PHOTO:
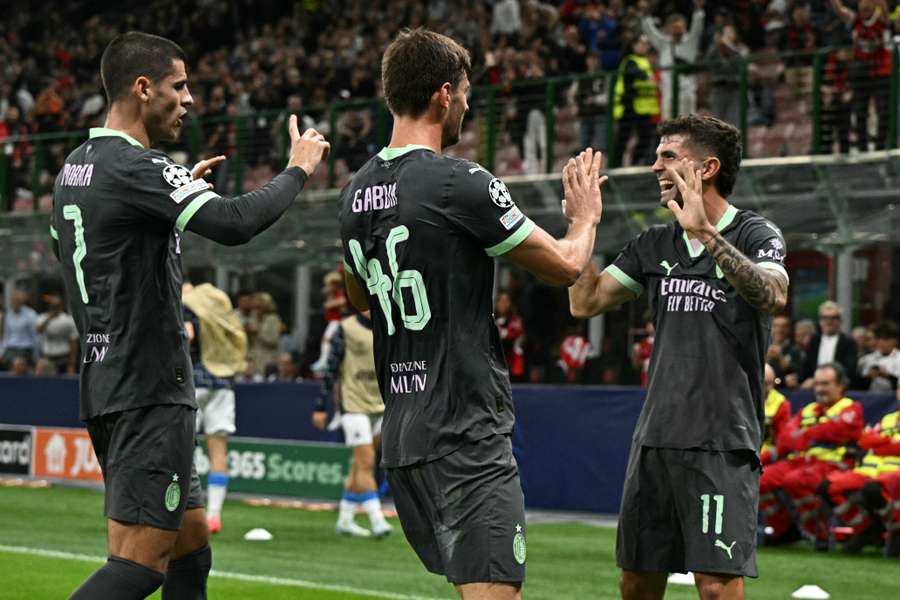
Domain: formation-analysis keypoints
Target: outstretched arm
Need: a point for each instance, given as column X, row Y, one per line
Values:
column 846, row 15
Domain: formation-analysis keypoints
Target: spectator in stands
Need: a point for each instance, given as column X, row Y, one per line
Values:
column 783, row 355
column 507, row 21
column 353, row 140
column 20, row 332
column 799, row 44
column 865, row 339
column 829, row 345
column 881, row 368
column 635, row 106
column 813, row 444
column 642, row 351
column 18, row 155
column 512, row 335
column 678, row 49
column 592, row 99
column 871, row 69
column 286, row 369
column 335, row 307
column 573, row 353
column 723, row 61
column 264, row 345
column 837, row 101
column 59, row 336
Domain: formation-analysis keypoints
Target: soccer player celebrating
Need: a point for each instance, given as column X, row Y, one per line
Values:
column 714, row 277
column 420, row 233
column 119, row 209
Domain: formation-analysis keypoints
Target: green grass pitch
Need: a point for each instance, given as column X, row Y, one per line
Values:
column 50, row 538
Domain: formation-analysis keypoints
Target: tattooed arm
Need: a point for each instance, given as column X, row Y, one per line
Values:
column 764, row 289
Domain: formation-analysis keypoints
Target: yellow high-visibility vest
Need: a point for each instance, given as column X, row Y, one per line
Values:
column 645, row 101
column 874, row 465
column 773, row 402
column 821, row 450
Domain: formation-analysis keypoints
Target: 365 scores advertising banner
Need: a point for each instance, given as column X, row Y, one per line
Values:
column 255, row 466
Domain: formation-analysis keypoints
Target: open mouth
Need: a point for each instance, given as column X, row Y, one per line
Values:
column 665, row 185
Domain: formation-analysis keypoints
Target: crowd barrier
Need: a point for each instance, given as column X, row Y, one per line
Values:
column 571, row 442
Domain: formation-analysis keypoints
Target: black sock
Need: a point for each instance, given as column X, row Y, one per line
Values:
column 186, row 577
column 122, row 579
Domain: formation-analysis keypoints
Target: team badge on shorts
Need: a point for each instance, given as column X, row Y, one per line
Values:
column 177, row 175
column 173, row 494
column 499, row 194
column 519, row 545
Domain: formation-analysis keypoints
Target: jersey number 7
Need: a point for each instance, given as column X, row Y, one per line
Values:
column 385, row 288
column 73, row 213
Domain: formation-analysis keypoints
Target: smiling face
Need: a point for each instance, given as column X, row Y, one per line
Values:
column 169, row 101
column 671, row 150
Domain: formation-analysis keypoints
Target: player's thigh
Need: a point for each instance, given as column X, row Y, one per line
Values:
column 357, row 429
column 364, row 457
column 481, row 527
column 147, row 464
column 717, row 499
column 194, row 533
column 218, row 415
column 643, row 585
column 416, row 512
column 648, row 537
column 773, row 475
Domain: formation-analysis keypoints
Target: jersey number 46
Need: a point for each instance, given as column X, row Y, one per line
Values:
column 387, row 288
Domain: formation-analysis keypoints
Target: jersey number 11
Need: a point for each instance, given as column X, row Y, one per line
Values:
column 386, row 288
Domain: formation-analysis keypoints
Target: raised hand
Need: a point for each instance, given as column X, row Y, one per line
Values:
column 203, row 168
column 691, row 214
column 307, row 150
column 582, row 184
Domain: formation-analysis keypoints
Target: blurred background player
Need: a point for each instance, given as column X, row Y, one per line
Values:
column 712, row 292
column 119, row 209
column 349, row 377
column 420, row 233
column 816, row 441
column 218, row 353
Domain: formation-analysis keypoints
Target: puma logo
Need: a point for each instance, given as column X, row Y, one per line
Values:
column 721, row 544
column 474, row 170
column 665, row 265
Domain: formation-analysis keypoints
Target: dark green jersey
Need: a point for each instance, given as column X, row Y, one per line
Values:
column 420, row 232
column 706, row 371
column 118, row 209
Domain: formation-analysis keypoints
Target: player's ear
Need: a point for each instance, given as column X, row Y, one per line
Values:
column 710, row 168
column 141, row 88
column 445, row 93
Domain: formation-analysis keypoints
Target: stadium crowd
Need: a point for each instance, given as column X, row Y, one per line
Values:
column 270, row 58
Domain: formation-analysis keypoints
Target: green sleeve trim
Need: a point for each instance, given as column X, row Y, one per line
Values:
column 53, row 233
column 195, row 205
column 623, row 278
column 348, row 268
column 775, row 267
column 512, row 241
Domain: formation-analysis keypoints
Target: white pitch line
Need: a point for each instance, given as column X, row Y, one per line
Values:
column 300, row 583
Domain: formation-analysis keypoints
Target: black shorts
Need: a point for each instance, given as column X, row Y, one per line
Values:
column 464, row 513
column 689, row 510
column 147, row 459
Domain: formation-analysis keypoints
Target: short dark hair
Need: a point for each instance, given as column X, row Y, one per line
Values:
column 887, row 330
column 714, row 137
column 416, row 64
column 132, row 54
column 839, row 371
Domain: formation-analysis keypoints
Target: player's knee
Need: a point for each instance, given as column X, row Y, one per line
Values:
column 642, row 585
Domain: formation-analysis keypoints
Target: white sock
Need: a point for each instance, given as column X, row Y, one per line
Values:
column 216, row 490
column 373, row 507
column 346, row 511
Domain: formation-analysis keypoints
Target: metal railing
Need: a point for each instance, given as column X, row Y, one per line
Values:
column 788, row 104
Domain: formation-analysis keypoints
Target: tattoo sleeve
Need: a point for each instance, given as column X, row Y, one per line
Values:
column 763, row 289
